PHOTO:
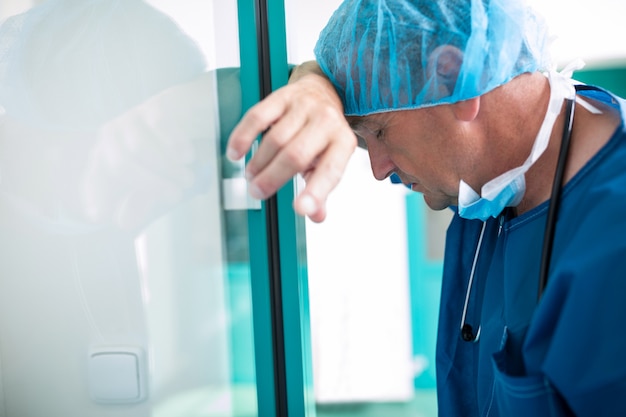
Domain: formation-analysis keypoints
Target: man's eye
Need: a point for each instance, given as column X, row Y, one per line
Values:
column 380, row 134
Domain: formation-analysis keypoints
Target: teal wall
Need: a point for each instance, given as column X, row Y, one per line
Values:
column 610, row 76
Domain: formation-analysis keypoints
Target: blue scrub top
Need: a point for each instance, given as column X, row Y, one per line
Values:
column 565, row 355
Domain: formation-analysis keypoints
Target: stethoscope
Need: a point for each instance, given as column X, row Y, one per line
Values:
column 467, row 332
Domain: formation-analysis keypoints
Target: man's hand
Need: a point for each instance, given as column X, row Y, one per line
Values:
column 305, row 132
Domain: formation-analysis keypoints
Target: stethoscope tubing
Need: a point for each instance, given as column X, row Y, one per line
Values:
column 466, row 330
column 555, row 198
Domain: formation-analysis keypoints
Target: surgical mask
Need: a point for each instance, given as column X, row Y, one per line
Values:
column 484, row 207
column 507, row 190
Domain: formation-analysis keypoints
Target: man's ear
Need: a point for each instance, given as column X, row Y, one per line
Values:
column 444, row 65
column 466, row 110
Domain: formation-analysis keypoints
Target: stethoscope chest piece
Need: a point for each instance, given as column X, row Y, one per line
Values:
column 467, row 333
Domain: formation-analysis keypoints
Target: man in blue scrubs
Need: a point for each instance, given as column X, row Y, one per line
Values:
column 459, row 99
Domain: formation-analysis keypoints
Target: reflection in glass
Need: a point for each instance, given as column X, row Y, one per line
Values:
column 124, row 286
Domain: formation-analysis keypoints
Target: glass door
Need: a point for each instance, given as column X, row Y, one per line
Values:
column 137, row 278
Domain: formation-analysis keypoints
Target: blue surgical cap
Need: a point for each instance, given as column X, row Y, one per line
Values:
column 384, row 55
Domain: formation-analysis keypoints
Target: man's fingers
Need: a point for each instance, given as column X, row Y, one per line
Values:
column 305, row 206
column 278, row 137
column 321, row 180
column 321, row 162
column 296, row 156
column 257, row 120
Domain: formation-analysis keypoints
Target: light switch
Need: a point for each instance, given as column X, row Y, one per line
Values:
column 116, row 375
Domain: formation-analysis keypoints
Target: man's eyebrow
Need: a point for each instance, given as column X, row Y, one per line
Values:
column 356, row 123
column 362, row 123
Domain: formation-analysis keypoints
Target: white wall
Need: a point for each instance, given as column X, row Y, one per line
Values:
column 593, row 30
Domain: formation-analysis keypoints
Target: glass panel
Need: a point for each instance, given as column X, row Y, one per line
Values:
column 373, row 282
column 124, row 259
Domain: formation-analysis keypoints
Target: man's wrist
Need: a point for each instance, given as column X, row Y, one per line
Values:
column 306, row 68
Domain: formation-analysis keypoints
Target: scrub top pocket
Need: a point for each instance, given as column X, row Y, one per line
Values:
column 524, row 395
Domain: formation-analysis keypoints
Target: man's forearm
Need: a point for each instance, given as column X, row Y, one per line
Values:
column 306, row 68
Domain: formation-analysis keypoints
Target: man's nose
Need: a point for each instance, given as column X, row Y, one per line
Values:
column 382, row 166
